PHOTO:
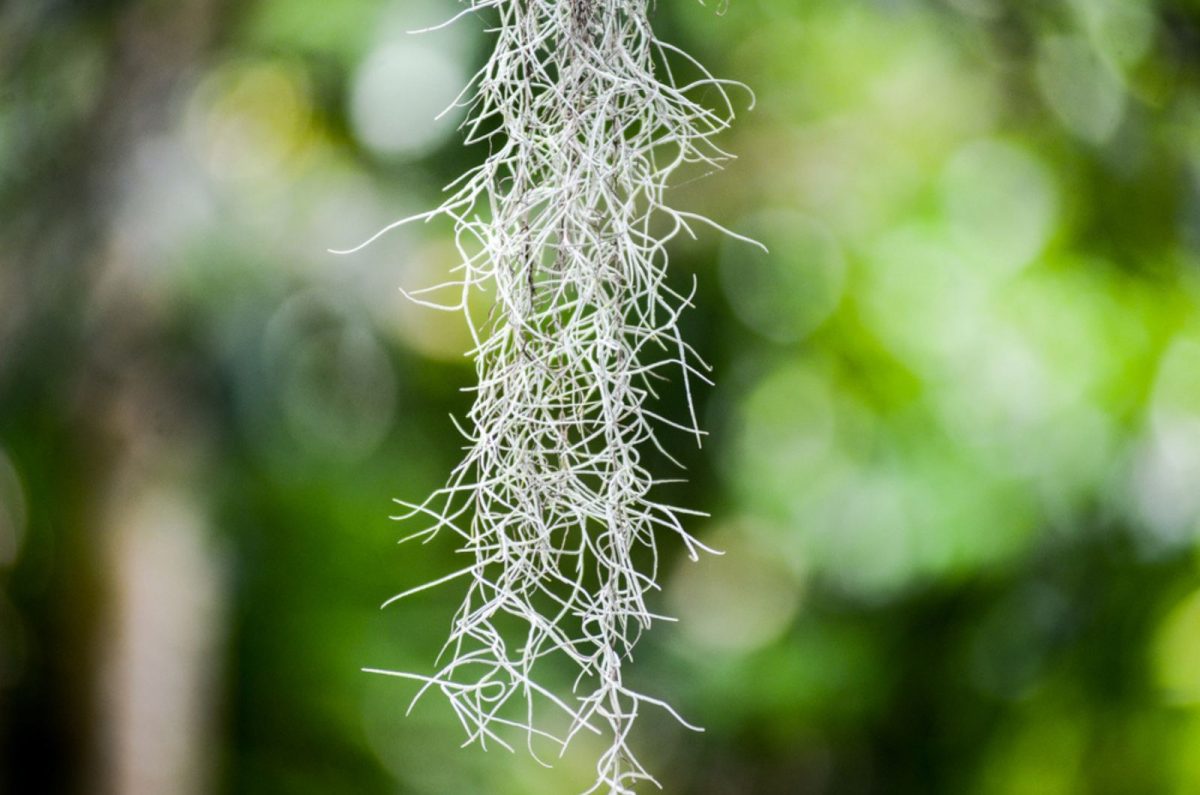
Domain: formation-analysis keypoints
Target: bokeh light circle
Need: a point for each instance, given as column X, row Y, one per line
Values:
column 398, row 92
column 1001, row 204
column 786, row 294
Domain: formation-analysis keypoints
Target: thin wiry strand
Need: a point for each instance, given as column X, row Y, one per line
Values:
column 565, row 224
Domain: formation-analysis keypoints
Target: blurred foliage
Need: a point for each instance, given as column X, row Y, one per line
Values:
column 955, row 451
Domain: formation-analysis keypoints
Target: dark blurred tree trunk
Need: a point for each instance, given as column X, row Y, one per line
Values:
column 61, row 351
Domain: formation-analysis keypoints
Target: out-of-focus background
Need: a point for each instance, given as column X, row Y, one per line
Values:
column 955, row 439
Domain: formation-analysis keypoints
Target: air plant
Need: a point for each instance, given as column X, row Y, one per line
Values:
column 566, row 225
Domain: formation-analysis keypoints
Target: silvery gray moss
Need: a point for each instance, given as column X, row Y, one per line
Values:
column 566, row 225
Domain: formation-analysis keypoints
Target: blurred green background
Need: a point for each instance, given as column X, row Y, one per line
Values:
column 955, row 450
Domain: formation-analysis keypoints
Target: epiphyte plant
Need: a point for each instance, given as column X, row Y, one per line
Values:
column 565, row 226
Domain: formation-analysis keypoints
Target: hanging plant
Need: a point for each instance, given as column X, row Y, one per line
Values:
column 566, row 225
